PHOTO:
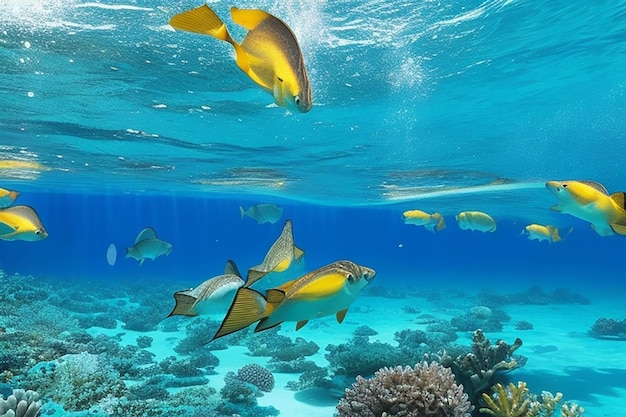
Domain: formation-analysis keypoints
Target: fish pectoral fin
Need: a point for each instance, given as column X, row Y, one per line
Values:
column 557, row 207
column 184, row 304
column 341, row 315
column 301, row 324
column 248, row 307
column 275, row 296
column 248, row 18
column 297, row 253
column 141, row 261
column 264, row 325
column 620, row 229
column 619, row 198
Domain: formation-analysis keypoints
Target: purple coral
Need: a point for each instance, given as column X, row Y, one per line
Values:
column 257, row 375
column 422, row 391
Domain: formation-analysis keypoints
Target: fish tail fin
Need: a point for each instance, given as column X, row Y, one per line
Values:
column 249, row 306
column 555, row 236
column 204, row 21
column 14, row 195
column 620, row 199
column 242, row 212
column 184, row 304
column 441, row 224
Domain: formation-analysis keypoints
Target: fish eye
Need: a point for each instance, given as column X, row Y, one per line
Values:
column 297, row 100
column 38, row 232
column 350, row 278
column 564, row 186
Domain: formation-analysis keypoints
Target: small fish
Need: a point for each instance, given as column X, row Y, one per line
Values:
column 263, row 213
column 21, row 223
column 325, row 291
column 269, row 54
column 540, row 232
column 433, row 222
column 7, row 197
column 590, row 201
column 476, row 220
column 212, row 296
column 280, row 256
column 148, row 246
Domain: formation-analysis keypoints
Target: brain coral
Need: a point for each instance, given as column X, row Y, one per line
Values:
column 258, row 376
column 422, row 391
column 20, row 404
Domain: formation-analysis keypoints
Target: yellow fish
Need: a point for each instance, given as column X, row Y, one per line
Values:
column 21, row 223
column 269, row 54
column 148, row 246
column 323, row 292
column 476, row 220
column 212, row 296
column 590, row 201
column 280, row 256
column 433, row 222
column 7, row 197
column 540, row 232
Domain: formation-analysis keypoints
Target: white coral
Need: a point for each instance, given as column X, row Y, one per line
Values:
column 20, row 404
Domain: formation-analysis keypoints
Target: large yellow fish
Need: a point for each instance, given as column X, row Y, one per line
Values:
column 21, row 223
column 148, row 246
column 7, row 197
column 590, row 201
column 269, row 54
column 212, row 296
column 476, row 220
column 325, row 291
column 278, row 258
column 433, row 222
column 540, row 232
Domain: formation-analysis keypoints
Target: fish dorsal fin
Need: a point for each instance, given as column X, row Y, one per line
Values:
column 147, row 233
column 596, row 185
column 248, row 18
column 231, row 268
column 341, row 315
column 620, row 199
column 184, row 304
column 248, row 307
column 275, row 296
column 202, row 20
column 301, row 324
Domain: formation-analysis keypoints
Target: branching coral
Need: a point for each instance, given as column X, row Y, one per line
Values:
column 518, row 401
column 422, row 391
column 476, row 370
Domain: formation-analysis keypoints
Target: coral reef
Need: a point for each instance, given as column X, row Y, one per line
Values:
column 517, row 401
column 240, row 399
column 533, row 296
column 20, row 404
column 422, row 391
column 605, row 328
column 258, row 376
column 475, row 370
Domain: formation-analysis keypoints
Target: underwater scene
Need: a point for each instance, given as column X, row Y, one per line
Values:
column 312, row 208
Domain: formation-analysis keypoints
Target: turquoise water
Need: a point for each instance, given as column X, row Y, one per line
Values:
column 111, row 121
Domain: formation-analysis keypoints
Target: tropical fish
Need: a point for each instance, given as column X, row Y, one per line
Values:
column 590, row 201
column 263, row 213
column 433, row 222
column 280, row 256
column 212, row 296
column 269, row 54
column 21, row 223
column 476, row 220
column 540, row 232
column 325, row 291
column 7, row 197
column 148, row 246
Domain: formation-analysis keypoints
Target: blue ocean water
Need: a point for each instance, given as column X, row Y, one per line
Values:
column 112, row 121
